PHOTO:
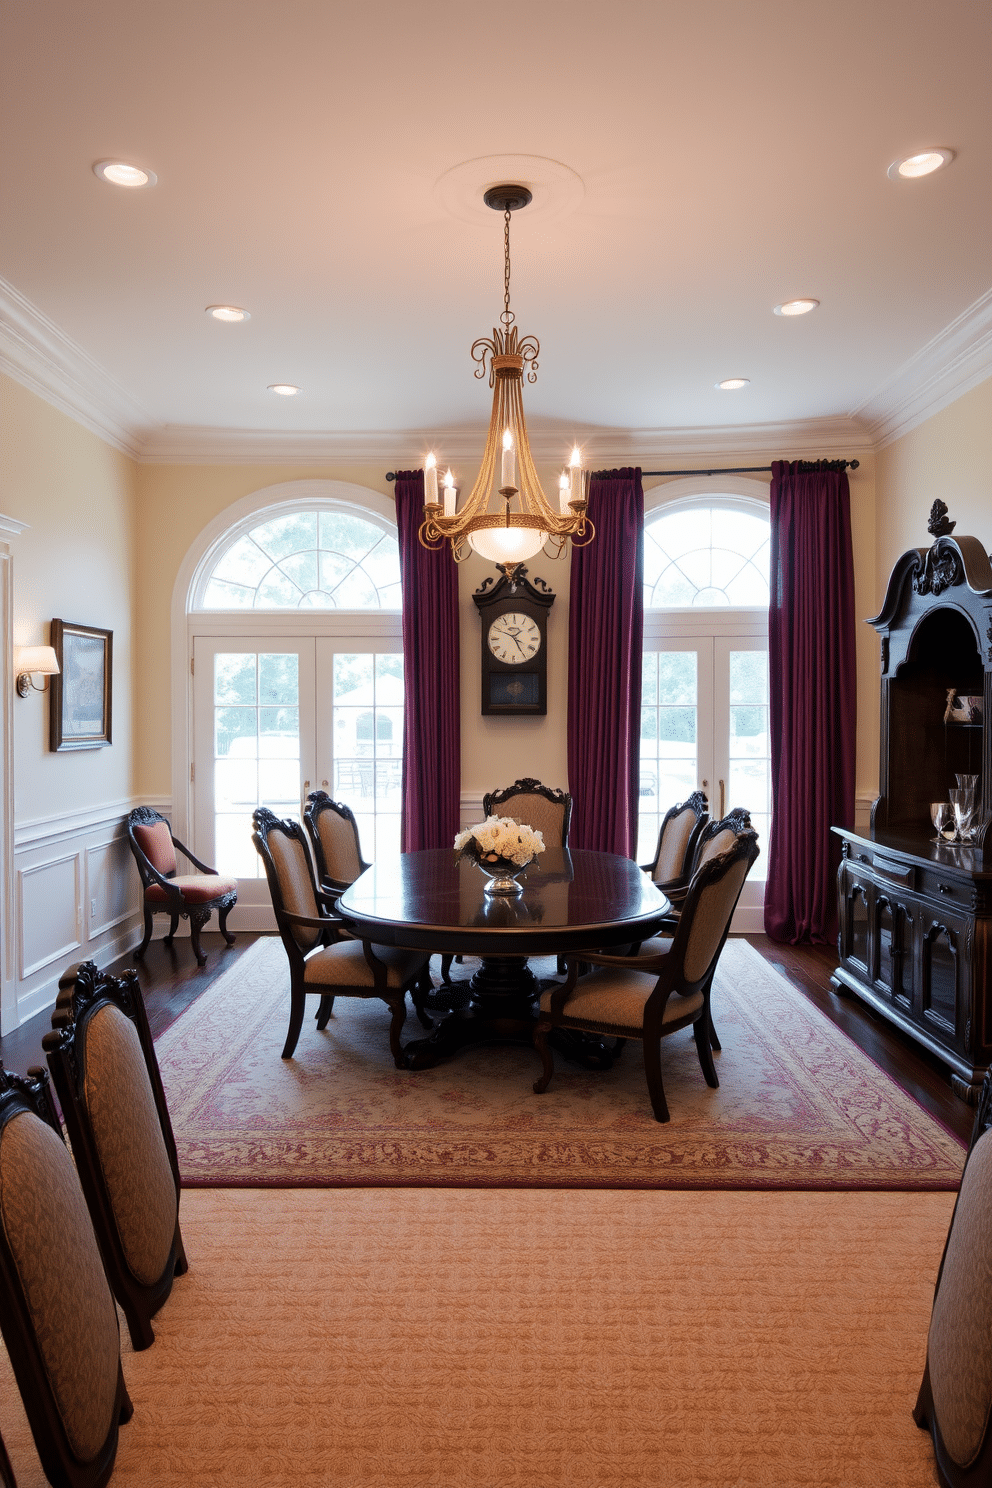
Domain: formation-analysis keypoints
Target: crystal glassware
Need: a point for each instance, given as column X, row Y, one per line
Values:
column 967, row 782
column 963, row 802
column 942, row 816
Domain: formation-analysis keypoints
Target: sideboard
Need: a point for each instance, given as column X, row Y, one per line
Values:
column 915, row 939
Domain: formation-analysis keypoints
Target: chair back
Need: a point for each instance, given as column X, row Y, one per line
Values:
column 708, row 910
column 149, row 836
column 677, row 839
column 955, row 1399
column 103, row 1065
column 334, row 834
column 282, row 846
column 717, row 837
column 547, row 810
column 57, row 1313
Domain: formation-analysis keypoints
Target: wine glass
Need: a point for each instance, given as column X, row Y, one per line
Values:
column 963, row 802
column 967, row 782
column 942, row 816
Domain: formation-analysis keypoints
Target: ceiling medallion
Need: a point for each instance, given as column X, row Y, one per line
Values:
column 527, row 520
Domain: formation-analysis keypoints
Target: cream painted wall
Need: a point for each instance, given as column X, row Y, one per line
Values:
column 947, row 457
column 75, row 562
column 176, row 502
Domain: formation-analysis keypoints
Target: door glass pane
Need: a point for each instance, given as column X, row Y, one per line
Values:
column 256, row 737
column 749, row 782
column 669, row 768
column 368, row 745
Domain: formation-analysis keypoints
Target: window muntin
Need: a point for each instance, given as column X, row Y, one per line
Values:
column 706, row 557
column 318, row 559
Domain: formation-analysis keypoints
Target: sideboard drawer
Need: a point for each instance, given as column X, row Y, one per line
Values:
column 947, row 890
column 891, row 870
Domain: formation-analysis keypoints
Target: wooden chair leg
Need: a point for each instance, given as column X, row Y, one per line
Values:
column 701, row 1033
column 197, row 919
column 652, row 1072
column 541, row 1032
column 127, row 1409
column 397, row 1006
column 419, row 993
column 182, row 1264
column 324, row 1010
column 296, row 1007
column 173, row 927
column 222, row 923
column 714, row 1041
column 142, row 948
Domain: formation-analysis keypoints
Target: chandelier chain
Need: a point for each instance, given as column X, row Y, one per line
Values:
column 507, row 316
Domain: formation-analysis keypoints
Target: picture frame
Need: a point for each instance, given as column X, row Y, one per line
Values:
column 82, row 692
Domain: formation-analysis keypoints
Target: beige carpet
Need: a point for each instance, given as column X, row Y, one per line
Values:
column 799, row 1106
column 393, row 1338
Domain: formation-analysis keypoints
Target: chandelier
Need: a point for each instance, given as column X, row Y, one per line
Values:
column 526, row 521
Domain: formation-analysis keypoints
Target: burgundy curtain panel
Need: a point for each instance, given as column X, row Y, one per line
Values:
column 605, row 640
column 812, row 696
column 431, row 715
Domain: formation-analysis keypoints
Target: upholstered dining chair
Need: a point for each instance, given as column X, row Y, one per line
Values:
column 648, row 997
column 333, row 832
column 322, row 961
column 104, row 1069
column 671, row 866
column 545, row 808
column 955, row 1399
column 57, row 1312
column 192, row 896
column 715, row 838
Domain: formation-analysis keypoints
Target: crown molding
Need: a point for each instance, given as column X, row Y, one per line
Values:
column 550, row 443
column 957, row 359
column 35, row 352
column 39, row 355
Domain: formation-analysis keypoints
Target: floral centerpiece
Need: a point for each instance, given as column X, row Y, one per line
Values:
column 501, row 847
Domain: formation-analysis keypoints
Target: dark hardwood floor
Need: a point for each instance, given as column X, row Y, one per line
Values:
column 171, row 980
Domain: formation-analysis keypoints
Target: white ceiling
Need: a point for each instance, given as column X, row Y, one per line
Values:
column 728, row 155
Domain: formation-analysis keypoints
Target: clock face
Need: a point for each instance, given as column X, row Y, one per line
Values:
column 514, row 638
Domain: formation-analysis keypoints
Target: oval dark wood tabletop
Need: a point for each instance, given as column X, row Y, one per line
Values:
column 570, row 900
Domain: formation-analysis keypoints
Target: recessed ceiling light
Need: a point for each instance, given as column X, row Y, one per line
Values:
column 923, row 164
column 731, row 384
column 119, row 173
column 228, row 312
column 796, row 307
column 285, row 388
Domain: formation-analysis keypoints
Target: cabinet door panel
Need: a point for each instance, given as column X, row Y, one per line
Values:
column 940, row 982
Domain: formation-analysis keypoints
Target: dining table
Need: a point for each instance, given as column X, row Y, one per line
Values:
column 570, row 900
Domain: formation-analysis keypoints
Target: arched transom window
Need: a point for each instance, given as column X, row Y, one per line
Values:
column 706, row 556
column 328, row 558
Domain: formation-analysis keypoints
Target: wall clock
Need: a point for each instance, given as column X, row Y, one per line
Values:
column 514, row 615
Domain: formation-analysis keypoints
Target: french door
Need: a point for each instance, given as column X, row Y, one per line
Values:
column 704, row 725
column 275, row 717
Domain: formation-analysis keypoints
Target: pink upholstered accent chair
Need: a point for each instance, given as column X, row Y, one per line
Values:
column 188, row 896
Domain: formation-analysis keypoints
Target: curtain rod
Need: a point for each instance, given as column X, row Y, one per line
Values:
column 804, row 465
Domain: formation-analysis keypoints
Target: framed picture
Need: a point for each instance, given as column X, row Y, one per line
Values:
column 83, row 690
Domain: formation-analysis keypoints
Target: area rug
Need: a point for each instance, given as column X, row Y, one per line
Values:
column 799, row 1105
column 510, row 1339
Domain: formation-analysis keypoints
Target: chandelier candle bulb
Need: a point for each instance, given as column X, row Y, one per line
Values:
column 430, row 480
column 564, row 493
column 450, row 495
column 509, row 468
column 575, row 469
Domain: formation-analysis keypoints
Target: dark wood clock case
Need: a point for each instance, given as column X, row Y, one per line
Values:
column 915, row 936
column 514, row 689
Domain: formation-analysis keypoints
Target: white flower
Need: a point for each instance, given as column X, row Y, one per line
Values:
column 501, row 837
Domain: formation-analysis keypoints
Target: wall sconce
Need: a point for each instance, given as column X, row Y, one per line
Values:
column 29, row 659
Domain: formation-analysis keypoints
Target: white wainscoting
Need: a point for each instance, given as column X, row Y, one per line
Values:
column 77, row 898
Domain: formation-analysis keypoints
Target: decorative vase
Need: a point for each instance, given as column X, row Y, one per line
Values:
column 503, row 874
